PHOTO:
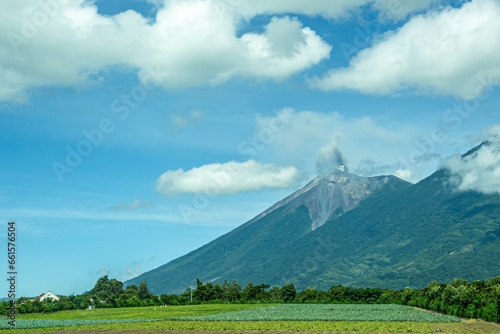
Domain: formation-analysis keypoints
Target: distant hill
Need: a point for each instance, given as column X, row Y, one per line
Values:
column 355, row 231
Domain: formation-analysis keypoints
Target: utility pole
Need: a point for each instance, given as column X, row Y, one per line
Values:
column 190, row 289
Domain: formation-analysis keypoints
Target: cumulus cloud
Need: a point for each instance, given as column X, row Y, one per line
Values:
column 136, row 204
column 479, row 170
column 190, row 43
column 451, row 52
column 227, row 178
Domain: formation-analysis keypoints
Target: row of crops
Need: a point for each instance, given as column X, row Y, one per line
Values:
column 327, row 312
column 191, row 316
column 44, row 323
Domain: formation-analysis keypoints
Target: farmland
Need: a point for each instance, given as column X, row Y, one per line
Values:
column 165, row 314
column 328, row 312
column 47, row 323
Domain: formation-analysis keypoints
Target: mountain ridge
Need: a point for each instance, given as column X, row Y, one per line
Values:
column 325, row 191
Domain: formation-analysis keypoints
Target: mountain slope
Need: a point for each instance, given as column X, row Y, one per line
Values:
column 424, row 233
column 334, row 195
column 240, row 254
column 349, row 230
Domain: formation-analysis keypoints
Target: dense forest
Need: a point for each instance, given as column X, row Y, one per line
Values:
column 478, row 299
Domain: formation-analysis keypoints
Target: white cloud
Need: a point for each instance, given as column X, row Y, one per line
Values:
column 131, row 271
column 61, row 43
column 105, row 271
column 136, row 204
column 192, row 43
column 284, row 48
column 297, row 137
column 478, row 171
column 404, row 174
column 396, row 10
column 328, row 8
column 452, row 52
column 325, row 8
column 228, row 178
column 489, row 132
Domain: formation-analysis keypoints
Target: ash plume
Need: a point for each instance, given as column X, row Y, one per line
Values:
column 330, row 158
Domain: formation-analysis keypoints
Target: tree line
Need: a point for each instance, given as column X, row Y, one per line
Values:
column 478, row 299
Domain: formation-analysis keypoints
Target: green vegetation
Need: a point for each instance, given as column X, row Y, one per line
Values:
column 144, row 312
column 328, row 312
column 478, row 299
column 49, row 323
column 196, row 310
column 401, row 236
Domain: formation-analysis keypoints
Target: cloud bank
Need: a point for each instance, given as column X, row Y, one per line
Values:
column 190, row 43
column 479, row 171
column 227, row 178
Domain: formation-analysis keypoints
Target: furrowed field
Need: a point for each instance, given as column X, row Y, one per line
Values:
column 237, row 317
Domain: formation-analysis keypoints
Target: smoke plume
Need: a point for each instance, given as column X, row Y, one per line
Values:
column 330, row 158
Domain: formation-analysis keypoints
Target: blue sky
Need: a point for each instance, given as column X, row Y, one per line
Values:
column 133, row 132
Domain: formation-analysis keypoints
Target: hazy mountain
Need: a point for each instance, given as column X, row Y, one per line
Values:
column 356, row 231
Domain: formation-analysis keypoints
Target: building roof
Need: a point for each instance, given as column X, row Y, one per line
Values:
column 43, row 294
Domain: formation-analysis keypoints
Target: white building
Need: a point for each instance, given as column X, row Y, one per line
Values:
column 50, row 295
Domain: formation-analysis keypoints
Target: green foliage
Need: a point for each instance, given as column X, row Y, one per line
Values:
column 196, row 310
column 256, row 292
column 131, row 291
column 328, row 312
column 478, row 299
column 27, row 323
column 143, row 292
column 401, row 236
column 239, row 252
column 288, row 293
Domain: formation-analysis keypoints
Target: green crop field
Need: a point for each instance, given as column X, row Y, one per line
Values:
column 165, row 314
column 327, row 312
column 143, row 312
column 49, row 323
